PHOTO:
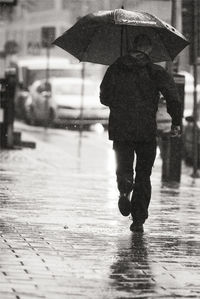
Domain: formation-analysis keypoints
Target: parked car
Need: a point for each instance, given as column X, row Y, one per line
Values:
column 33, row 68
column 188, row 137
column 29, row 69
column 163, row 118
column 189, row 89
column 60, row 102
column 188, row 121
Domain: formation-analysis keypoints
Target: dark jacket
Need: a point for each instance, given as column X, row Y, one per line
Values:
column 130, row 88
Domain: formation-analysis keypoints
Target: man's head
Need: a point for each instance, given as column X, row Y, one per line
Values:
column 142, row 43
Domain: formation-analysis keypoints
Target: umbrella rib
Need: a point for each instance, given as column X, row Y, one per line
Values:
column 166, row 48
column 87, row 46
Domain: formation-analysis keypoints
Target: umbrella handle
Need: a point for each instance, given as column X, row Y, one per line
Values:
column 127, row 39
column 122, row 30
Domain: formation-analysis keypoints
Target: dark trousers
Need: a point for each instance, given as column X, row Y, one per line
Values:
column 145, row 156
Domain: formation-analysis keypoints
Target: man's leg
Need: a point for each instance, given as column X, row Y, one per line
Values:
column 146, row 153
column 124, row 171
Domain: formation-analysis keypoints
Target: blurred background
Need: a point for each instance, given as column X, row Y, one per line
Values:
column 22, row 25
column 71, row 97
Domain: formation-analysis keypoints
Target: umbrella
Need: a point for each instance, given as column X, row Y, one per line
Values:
column 104, row 36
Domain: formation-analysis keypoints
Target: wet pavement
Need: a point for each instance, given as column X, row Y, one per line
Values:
column 61, row 235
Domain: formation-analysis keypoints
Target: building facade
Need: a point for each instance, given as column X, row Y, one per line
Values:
column 23, row 24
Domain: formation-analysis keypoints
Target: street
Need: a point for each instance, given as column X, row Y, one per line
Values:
column 62, row 236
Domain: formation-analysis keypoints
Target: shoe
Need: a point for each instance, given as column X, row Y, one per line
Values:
column 124, row 204
column 135, row 227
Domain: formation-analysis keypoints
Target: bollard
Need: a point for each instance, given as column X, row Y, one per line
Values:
column 3, row 130
column 8, row 85
column 172, row 148
column 171, row 153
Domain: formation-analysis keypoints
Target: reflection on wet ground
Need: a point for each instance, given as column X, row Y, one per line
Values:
column 131, row 272
column 61, row 235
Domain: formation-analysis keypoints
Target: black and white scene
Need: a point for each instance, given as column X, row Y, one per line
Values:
column 99, row 149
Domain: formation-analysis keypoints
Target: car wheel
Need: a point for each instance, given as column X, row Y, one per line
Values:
column 31, row 118
column 51, row 118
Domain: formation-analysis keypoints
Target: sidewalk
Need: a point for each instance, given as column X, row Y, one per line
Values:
column 61, row 235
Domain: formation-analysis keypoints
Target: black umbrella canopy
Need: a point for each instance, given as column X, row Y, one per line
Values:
column 104, row 36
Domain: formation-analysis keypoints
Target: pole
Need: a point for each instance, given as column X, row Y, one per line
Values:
column 176, row 7
column 195, row 53
column 82, row 104
column 47, row 81
column 172, row 147
column 82, row 95
column 47, row 66
column 121, row 37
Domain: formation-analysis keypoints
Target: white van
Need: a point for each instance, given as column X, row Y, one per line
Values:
column 34, row 68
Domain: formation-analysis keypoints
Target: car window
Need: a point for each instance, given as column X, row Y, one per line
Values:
column 39, row 89
column 45, row 86
column 71, row 88
column 34, row 75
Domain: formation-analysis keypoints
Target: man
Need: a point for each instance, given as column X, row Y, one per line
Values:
column 131, row 88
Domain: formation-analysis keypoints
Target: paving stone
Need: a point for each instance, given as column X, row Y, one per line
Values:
column 61, row 235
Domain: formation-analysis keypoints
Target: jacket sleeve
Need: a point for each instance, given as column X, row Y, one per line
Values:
column 107, row 88
column 167, row 87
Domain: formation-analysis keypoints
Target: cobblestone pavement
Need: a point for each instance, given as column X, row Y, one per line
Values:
column 61, row 235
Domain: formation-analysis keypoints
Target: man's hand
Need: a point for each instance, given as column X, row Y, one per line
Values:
column 175, row 131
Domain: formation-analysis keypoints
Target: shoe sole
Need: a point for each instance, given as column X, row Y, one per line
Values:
column 124, row 206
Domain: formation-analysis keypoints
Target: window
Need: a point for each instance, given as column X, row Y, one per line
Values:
column 75, row 88
column 41, row 5
column 33, row 42
column 83, row 7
